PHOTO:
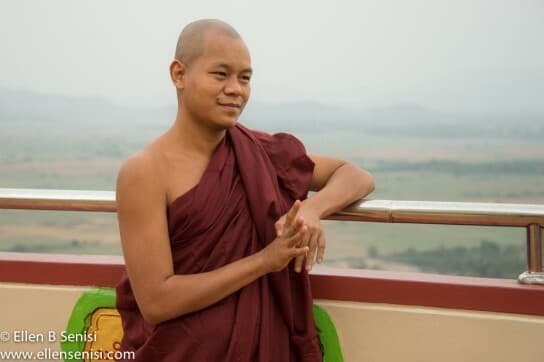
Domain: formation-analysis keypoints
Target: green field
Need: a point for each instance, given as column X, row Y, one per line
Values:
column 405, row 168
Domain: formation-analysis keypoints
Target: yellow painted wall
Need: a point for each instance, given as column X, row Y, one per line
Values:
column 38, row 309
column 392, row 333
column 368, row 332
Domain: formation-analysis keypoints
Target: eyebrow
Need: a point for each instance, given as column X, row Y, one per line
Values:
column 225, row 65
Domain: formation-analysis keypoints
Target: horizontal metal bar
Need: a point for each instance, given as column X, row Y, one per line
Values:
column 63, row 200
column 448, row 213
column 392, row 211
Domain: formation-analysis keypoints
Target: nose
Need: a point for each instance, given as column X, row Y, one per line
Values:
column 233, row 86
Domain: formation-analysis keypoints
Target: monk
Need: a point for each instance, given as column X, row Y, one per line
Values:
column 217, row 231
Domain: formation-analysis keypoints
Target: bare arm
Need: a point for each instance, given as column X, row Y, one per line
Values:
column 160, row 294
column 338, row 183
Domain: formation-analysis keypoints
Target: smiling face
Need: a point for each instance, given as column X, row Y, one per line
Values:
column 215, row 86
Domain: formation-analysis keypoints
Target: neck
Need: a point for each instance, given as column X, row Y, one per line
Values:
column 195, row 136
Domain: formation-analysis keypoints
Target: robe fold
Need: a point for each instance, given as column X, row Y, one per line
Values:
column 251, row 180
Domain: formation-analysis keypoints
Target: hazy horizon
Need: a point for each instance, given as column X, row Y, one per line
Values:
column 468, row 57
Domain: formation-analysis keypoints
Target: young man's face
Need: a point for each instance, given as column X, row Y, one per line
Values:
column 217, row 83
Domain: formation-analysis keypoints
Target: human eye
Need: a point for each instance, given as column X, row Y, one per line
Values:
column 220, row 74
column 246, row 78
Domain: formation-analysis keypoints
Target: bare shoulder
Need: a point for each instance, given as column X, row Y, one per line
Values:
column 138, row 166
column 140, row 175
column 162, row 171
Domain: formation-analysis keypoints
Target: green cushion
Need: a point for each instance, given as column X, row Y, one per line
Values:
column 90, row 301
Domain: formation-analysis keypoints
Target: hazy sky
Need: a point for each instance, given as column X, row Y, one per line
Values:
column 467, row 56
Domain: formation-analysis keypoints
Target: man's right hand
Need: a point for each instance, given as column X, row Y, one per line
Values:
column 281, row 250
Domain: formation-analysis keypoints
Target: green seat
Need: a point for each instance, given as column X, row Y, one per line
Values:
column 94, row 315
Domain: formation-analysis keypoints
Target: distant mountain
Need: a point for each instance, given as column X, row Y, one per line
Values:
column 304, row 115
column 26, row 106
column 59, row 110
column 406, row 120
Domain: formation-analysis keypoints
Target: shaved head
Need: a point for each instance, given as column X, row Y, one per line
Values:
column 191, row 40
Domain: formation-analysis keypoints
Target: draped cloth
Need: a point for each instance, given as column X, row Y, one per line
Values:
column 251, row 180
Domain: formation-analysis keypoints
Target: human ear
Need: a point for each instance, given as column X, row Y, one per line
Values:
column 177, row 73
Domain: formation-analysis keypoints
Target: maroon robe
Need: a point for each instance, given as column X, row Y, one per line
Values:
column 251, row 180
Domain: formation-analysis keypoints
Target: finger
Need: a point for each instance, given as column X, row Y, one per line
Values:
column 292, row 213
column 305, row 240
column 296, row 252
column 298, row 262
column 313, row 249
column 297, row 235
column 294, row 229
column 279, row 227
column 321, row 247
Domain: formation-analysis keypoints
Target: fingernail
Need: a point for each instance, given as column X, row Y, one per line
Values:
column 308, row 267
column 297, row 270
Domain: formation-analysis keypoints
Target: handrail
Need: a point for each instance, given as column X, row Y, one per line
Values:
column 62, row 200
column 530, row 216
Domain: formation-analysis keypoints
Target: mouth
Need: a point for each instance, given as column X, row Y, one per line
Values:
column 231, row 105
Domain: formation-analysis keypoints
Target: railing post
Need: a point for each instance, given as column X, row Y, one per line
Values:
column 535, row 256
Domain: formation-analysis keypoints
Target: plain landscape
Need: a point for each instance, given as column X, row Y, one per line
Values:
column 55, row 142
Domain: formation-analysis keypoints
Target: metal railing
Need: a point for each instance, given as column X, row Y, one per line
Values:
column 528, row 216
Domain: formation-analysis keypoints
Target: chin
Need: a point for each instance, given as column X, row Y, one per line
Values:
column 229, row 121
column 232, row 123
column 224, row 123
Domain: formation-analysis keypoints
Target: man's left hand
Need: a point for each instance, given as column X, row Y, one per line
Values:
column 315, row 237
